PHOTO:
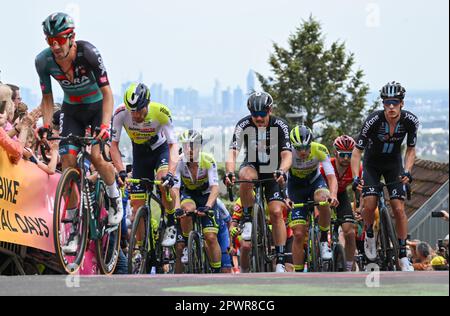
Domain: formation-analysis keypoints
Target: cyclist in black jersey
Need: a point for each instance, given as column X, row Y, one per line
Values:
column 88, row 101
column 380, row 139
column 267, row 156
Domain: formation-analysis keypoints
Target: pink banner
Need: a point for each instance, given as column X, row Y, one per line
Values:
column 26, row 204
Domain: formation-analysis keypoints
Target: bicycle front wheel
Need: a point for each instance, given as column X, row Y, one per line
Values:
column 108, row 240
column 195, row 254
column 70, row 222
column 138, row 251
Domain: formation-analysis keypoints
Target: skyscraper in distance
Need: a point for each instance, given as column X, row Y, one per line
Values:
column 250, row 81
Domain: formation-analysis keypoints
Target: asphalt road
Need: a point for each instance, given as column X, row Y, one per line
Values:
column 383, row 284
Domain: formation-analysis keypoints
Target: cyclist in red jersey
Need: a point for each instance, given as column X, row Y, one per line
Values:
column 344, row 146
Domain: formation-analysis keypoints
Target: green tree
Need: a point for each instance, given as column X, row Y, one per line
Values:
column 319, row 81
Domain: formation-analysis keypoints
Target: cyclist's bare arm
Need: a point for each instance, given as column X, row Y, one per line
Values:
column 116, row 157
column 174, row 158
column 213, row 196
column 286, row 160
column 176, row 192
column 108, row 105
column 410, row 157
column 230, row 165
column 356, row 162
column 47, row 105
column 333, row 185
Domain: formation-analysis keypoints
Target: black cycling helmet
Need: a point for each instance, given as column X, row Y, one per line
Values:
column 393, row 90
column 58, row 24
column 259, row 101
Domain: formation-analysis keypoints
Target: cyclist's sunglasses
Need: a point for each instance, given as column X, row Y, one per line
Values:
column 259, row 113
column 2, row 107
column 302, row 147
column 61, row 40
column 344, row 154
column 392, row 101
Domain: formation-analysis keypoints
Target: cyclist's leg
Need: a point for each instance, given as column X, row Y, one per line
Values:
column 247, row 172
column 276, row 205
column 397, row 200
column 298, row 222
column 322, row 194
column 371, row 178
column 68, row 152
column 224, row 242
column 210, row 230
column 370, row 193
column 188, row 205
column 245, row 249
column 104, row 168
column 181, row 244
column 345, row 216
column 162, row 168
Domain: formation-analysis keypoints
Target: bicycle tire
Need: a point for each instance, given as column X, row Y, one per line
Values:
column 393, row 250
column 339, row 258
column 315, row 250
column 107, row 252
column 141, row 214
column 70, row 175
column 195, row 254
column 257, row 256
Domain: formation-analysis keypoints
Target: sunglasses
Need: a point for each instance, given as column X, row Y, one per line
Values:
column 61, row 40
column 344, row 154
column 259, row 113
column 392, row 102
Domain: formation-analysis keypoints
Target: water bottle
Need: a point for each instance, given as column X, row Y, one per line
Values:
column 153, row 270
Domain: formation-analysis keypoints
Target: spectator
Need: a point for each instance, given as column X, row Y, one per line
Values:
column 30, row 156
column 21, row 111
column 13, row 148
column 16, row 98
column 423, row 256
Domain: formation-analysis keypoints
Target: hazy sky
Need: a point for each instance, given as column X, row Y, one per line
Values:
column 190, row 43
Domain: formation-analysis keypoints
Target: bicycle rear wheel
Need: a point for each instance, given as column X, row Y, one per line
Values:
column 108, row 242
column 138, row 251
column 70, row 189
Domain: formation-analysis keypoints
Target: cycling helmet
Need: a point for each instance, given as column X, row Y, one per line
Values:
column 137, row 97
column 344, row 143
column 301, row 136
column 393, row 90
column 259, row 101
column 58, row 24
column 191, row 136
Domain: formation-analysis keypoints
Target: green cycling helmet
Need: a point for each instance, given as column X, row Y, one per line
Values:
column 301, row 137
column 58, row 24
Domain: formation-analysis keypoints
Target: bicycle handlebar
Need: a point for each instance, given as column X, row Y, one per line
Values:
column 312, row 203
column 149, row 184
